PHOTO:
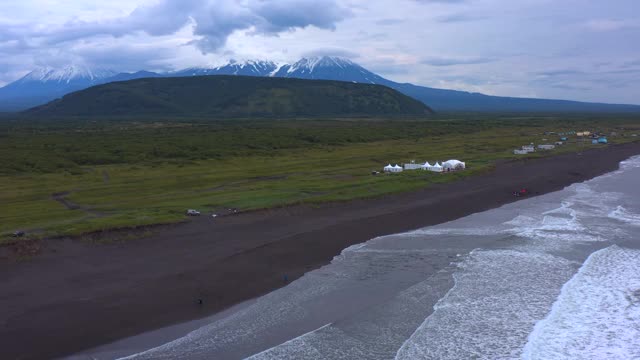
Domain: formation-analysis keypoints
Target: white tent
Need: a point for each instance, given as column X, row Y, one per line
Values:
column 453, row 165
column 437, row 167
column 425, row 166
column 387, row 168
column 397, row 168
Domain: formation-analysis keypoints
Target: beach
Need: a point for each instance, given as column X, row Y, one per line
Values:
column 75, row 295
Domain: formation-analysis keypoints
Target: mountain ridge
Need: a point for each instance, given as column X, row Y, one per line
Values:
column 232, row 96
column 22, row 94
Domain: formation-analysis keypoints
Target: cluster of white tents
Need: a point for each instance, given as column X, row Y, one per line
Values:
column 450, row 165
column 392, row 168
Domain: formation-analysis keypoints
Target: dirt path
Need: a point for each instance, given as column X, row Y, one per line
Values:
column 61, row 197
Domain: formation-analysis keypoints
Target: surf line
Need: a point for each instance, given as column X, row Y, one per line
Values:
column 406, row 343
column 256, row 356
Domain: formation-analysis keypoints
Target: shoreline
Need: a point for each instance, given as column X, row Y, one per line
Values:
column 75, row 296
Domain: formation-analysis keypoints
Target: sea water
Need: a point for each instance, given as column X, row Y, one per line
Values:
column 551, row 277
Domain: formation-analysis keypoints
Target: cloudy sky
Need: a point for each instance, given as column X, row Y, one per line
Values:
column 570, row 49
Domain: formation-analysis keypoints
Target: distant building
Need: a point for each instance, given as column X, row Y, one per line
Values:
column 602, row 140
column 546, row 147
column 412, row 166
column 524, row 150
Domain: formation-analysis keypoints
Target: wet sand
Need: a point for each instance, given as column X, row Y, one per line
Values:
column 75, row 296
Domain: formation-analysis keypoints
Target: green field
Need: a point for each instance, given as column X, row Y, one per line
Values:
column 72, row 176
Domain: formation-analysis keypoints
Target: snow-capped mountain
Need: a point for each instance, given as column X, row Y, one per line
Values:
column 246, row 68
column 330, row 68
column 46, row 84
column 67, row 75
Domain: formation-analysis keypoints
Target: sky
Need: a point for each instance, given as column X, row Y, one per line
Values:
column 586, row 50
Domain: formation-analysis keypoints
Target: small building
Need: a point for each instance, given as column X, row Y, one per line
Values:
column 564, row 138
column 412, row 166
column 602, row 140
column 524, row 150
column 546, row 147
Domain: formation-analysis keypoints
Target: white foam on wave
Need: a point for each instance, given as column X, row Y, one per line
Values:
column 582, row 217
column 597, row 315
column 480, row 231
column 374, row 333
column 296, row 348
column 624, row 215
column 631, row 163
column 497, row 298
column 556, row 227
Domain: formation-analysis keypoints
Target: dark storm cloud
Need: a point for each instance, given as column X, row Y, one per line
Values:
column 280, row 15
column 212, row 21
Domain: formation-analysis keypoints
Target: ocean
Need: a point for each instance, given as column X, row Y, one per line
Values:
column 551, row 277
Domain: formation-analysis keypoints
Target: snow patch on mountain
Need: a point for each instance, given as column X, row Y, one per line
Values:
column 67, row 74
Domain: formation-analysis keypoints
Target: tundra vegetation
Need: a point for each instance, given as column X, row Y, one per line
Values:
column 74, row 176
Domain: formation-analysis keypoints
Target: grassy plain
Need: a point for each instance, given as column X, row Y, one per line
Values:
column 68, row 177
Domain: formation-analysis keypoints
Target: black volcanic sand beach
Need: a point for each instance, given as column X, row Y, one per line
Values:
column 74, row 295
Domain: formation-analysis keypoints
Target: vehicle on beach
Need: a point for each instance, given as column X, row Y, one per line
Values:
column 18, row 233
column 192, row 212
column 521, row 192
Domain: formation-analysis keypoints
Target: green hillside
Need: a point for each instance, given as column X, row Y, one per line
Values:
column 232, row 96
